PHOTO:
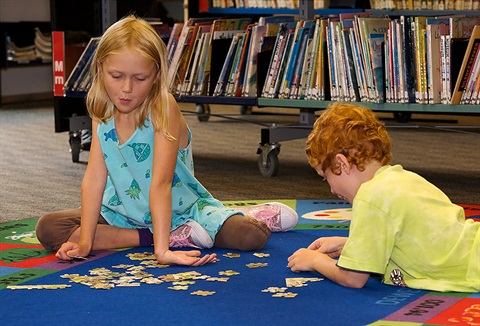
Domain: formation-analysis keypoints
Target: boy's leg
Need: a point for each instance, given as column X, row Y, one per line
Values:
column 243, row 233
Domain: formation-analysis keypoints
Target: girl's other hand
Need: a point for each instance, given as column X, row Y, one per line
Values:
column 187, row 258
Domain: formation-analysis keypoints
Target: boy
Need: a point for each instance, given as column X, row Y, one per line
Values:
column 402, row 226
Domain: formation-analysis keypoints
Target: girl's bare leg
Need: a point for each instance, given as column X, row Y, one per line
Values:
column 110, row 237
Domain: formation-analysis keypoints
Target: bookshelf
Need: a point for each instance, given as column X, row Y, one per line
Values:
column 269, row 148
column 25, row 71
column 272, row 136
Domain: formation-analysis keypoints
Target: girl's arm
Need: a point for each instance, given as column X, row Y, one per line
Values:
column 315, row 261
column 93, row 185
column 164, row 161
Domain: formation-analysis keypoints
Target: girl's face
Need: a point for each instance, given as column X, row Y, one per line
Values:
column 129, row 77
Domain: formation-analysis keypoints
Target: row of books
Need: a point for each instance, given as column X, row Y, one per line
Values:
column 404, row 60
column 352, row 57
column 39, row 51
column 289, row 4
column 425, row 4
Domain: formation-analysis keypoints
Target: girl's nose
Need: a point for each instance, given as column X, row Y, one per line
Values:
column 127, row 86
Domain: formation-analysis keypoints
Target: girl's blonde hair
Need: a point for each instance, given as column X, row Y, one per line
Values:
column 131, row 33
column 351, row 130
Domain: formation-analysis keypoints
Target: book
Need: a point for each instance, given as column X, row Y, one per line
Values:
column 229, row 90
column 192, row 68
column 227, row 66
column 302, row 28
column 237, row 24
column 241, row 68
column 350, row 65
column 173, row 41
column 186, row 56
column 366, row 26
column 276, row 19
column 284, row 30
column 82, row 65
column 292, row 90
column 359, row 66
column 376, row 42
column 256, row 38
column 468, row 94
column 274, row 92
column 191, row 57
column 419, row 26
column 468, row 61
column 434, row 77
column 462, row 27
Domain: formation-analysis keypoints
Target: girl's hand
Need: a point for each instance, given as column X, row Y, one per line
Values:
column 332, row 246
column 187, row 258
column 70, row 250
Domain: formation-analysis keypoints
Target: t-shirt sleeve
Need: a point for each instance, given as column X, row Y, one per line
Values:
column 371, row 240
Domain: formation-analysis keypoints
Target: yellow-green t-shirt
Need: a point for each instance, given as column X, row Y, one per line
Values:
column 401, row 221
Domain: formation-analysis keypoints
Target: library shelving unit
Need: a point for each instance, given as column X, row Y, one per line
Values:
column 269, row 147
column 71, row 107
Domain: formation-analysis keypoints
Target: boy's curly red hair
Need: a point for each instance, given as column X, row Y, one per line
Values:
column 351, row 130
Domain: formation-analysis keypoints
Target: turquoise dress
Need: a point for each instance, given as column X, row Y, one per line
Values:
column 126, row 200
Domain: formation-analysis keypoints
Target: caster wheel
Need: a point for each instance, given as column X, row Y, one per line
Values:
column 402, row 116
column 270, row 167
column 203, row 111
column 245, row 109
column 75, row 147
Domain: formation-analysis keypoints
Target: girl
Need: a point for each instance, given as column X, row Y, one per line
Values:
column 139, row 188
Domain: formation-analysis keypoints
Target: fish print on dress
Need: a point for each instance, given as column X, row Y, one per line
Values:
column 134, row 190
column 112, row 134
column 147, row 218
column 115, row 200
column 176, row 180
column 141, row 151
column 147, row 174
column 200, row 194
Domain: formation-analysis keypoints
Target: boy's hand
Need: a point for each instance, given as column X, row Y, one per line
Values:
column 305, row 260
column 188, row 258
column 332, row 246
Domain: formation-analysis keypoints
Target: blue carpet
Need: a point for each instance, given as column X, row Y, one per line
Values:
column 238, row 301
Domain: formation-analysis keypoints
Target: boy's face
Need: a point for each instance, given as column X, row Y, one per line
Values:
column 345, row 185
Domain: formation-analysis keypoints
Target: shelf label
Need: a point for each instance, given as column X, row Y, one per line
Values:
column 58, row 42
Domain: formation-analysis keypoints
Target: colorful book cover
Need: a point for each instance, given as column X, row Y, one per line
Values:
column 278, row 52
column 376, row 54
column 227, row 66
column 467, row 65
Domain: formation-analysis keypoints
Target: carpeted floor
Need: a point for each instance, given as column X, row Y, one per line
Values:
column 37, row 174
column 126, row 287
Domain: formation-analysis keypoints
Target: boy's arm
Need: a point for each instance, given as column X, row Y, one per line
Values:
column 313, row 260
